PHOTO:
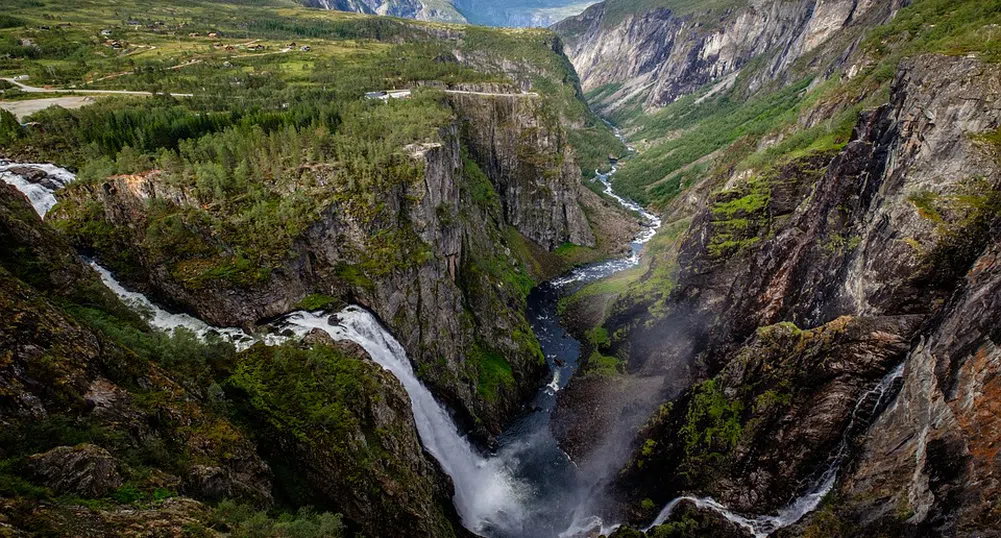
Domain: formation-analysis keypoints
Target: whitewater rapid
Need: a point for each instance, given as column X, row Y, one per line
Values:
column 41, row 195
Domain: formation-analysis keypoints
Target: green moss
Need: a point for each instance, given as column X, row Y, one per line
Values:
column 738, row 218
column 598, row 337
column 603, row 365
column 494, row 371
column 712, row 428
column 317, row 301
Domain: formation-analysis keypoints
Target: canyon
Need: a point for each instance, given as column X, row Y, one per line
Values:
column 771, row 310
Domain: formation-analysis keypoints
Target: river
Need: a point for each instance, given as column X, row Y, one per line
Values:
column 528, row 488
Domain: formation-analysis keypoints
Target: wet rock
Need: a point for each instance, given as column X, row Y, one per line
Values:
column 85, row 470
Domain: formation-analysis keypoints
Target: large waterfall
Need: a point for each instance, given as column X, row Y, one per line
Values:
column 485, row 493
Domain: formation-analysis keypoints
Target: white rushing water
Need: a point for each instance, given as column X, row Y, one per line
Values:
column 41, row 194
column 159, row 318
column 485, row 494
column 762, row 526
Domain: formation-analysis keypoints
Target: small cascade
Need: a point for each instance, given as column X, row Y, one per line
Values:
column 41, row 192
column 159, row 318
column 762, row 526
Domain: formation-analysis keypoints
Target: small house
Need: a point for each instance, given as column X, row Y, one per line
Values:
column 306, row 48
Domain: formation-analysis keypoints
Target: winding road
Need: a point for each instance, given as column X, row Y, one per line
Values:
column 33, row 89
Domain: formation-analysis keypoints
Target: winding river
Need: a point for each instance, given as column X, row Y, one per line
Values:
column 528, row 487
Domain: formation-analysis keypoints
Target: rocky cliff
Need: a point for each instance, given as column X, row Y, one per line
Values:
column 654, row 55
column 895, row 230
column 438, row 257
column 109, row 427
column 423, row 10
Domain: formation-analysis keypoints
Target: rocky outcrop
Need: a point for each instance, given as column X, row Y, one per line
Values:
column 169, row 518
column 340, row 429
column 336, row 430
column 659, row 55
column 528, row 158
column 886, row 230
column 930, row 464
column 86, row 470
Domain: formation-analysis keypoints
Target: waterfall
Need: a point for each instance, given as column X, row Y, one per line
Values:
column 486, row 496
column 762, row 526
column 40, row 194
column 485, row 493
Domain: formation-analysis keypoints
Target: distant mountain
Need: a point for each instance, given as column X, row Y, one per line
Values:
column 425, row 10
column 484, row 12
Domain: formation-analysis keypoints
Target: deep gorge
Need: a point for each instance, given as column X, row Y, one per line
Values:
column 665, row 269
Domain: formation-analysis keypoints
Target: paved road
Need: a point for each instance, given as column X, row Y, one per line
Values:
column 32, row 89
column 522, row 94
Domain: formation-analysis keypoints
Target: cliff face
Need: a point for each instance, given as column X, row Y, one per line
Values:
column 436, row 257
column 528, row 158
column 896, row 230
column 423, row 10
column 656, row 56
column 95, row 405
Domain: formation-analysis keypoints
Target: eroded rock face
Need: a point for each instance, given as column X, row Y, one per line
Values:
column 659, row 55
column 60, row 378
column 931, row 461
column 85, row 470
column 443, row 11
column 527, row 156
column 893, row 227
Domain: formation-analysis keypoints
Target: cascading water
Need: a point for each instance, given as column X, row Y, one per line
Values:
column 165, row 321
column 486, row 495
column 41, row 193
column 762, row 526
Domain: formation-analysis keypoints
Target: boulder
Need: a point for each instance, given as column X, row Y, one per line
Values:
column 86, row 470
